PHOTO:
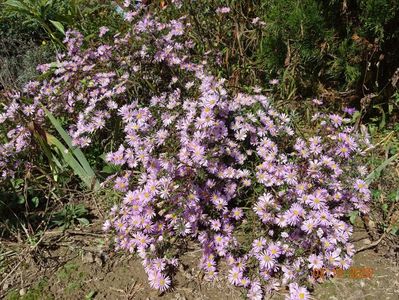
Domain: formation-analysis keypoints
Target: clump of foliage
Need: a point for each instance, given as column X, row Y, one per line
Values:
column 31, row 32
column 311, row 46
column 51, row 17
column 198, row 160
column 71, row 214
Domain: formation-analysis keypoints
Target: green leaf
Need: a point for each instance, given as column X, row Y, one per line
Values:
column 394, row 196
column 83, row 221
column 352, row 216
column 76, row 151
column 17, row 6
column 111, row 169
column 59, row 26
column 383, row 122
column 394, row 229
column 17, row 182
column 376, row 193
column 356, row 116
column 79, row 209
column 54, row 163
column 35, row 201
column 90, row 295
column 375, row 174
column 21, row 199
column 70, row 160
column 89, row 37
column 384, row 207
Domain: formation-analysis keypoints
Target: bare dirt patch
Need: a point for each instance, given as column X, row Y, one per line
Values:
column 80, row 265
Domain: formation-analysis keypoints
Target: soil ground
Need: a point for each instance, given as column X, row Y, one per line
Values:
column 80, row 265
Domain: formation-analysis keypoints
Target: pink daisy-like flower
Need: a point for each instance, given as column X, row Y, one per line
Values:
column 223, row 10
column 336, row 120
column 244, row 282
column 107, row 225
column 360, row 185
column 266, row 260
column 235, row 276
column 103, row 31
column 343, row 151
column 315, row 261
column 237, row 213
column 159, row 281
column 317, row 101
column 274, row 81
column 309, row 225
column 258, row 245
column 297, row 292
column 255, row 292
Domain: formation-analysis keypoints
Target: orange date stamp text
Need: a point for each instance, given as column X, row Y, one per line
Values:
column 352, row 273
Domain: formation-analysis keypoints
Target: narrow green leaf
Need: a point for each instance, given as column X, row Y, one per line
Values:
column 373, row 175
column 17, row 5
column 69, row 159
column 76, row 151
column 54, row 163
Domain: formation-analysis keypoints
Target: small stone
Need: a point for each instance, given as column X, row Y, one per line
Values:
column 88, row 257
column 366, row 241
column 371, row 224
column 6, row 286
column 362, row 284
column 22, row 292
column 99, row 261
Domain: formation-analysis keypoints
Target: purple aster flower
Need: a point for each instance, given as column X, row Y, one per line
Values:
column 274, row 81
column 297, row 292
column 317, row 101
column 350, row 110
column 223, row 10
column 159, row 281
column 315, row 261
column 103, row 31
column 361, row 186
column 255, row 291
column 309, row 225
column 266, row 260
column 235, row 276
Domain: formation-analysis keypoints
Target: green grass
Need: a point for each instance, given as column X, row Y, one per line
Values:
column 36, row 292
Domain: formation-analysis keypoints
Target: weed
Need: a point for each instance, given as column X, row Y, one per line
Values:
column 36, row 292
column 71, row 214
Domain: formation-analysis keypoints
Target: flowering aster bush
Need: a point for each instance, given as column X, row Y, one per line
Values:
column 199, row 163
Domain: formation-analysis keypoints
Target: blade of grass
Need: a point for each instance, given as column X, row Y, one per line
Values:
column 65, row 136
column 70, row 160
column 54, row 163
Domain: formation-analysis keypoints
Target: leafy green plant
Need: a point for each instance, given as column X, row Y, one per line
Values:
column 41, row 13
column 73, row 156
column 376, row 173
column 53, row 17
column 70, row 215
column 36, row 292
